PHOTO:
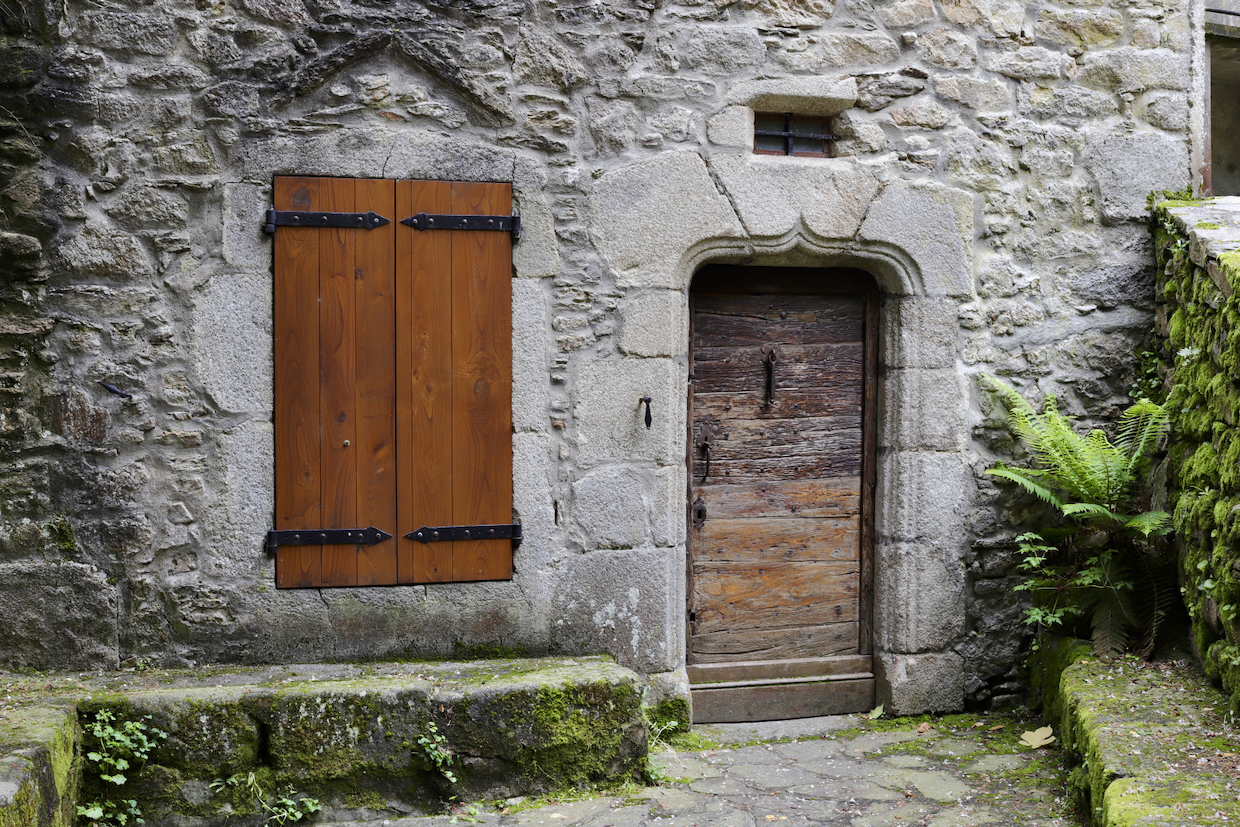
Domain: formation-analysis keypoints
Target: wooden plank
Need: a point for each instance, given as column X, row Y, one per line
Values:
column 733, row 596
column 759, row 438
column 337, row 382
column 837, row 497
column 776, row 644
column 776, row 702
column 792, row 402
column 424, row 411
column 759, row 540
column 844, row 460
column 869, row 473
column 376, row 382
column 731, row 320
column 772, row 669
column 296, row 335
column 832, row 369
column 482, row 381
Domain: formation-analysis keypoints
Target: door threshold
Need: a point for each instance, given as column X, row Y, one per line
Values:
column 763, row 670
column 782, row 698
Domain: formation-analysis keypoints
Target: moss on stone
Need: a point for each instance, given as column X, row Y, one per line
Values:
column 669, row 716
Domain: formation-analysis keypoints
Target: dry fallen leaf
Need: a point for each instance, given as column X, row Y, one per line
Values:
column 924, row 727
column 876, row 713
column 995, row 728
column 1038, row 738
column 978, row 724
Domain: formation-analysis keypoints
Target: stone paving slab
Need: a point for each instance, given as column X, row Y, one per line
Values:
column 830, row 774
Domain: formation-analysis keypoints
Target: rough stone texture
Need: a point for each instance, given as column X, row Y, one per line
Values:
column 920, row 683
column 991, row 174
column 40, row 767
column 1129, row 167
column 1119, row 721
column 1198, row 254
column 358, row 739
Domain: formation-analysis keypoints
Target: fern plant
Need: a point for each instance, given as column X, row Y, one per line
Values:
column 1102, row 552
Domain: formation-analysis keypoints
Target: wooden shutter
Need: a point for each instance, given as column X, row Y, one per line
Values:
column 393, row 382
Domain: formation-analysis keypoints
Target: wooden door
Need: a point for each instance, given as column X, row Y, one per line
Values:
column 781, row 490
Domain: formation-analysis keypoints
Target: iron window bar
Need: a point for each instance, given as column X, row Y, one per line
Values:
column 789, row 135
column 1223, row 11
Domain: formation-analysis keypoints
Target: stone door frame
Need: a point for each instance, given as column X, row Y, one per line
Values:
column 668, row 217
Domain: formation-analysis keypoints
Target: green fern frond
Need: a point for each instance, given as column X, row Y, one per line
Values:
column 1110, row 637
column 1021, row 477
column 1150, row 523
column 1087, row 510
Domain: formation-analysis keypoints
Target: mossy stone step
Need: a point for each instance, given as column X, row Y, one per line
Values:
column 364, row 740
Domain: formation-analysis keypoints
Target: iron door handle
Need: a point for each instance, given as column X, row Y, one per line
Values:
column 704, row 445
column 770, row 355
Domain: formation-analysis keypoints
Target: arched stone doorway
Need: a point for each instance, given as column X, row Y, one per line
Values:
column 782, row 412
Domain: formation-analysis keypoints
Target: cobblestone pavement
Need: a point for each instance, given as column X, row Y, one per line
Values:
column 823, row 772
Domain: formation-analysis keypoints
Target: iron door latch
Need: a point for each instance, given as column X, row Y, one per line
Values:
column 445, row 533
column 353, row 220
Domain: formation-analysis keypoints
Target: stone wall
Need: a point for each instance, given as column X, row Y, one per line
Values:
column 1198, row 252
column 992, row 167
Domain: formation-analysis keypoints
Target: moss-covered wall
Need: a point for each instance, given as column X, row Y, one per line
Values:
column 1196, row 245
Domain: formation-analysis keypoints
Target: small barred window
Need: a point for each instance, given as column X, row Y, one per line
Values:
column 787, row 134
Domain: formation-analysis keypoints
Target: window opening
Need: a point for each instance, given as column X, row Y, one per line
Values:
column 788, row 134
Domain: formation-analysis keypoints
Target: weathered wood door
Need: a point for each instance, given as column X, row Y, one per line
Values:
column 781, row 462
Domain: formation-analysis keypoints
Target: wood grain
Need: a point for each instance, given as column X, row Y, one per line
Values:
column 375, row 278
column 337, row 382
column 735, row 596
column 722, row 319
column 776, row 644
column 841, row 460
column 782, row 702
column 424, row 411
column 296, row 415
column 837, row 497
column 482, row 381
column 791, row 402
column 759, row 438
column 762, row 540
column 830, row 368
column 747, row 670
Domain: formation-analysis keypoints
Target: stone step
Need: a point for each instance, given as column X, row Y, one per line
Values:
column 369, row 742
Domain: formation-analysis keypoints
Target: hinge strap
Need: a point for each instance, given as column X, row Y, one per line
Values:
column 503, row 223
column 443, row 533
column 326, row 537
column 356, row 220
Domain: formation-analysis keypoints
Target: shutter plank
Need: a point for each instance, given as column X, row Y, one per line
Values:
column 296, row 334
column 424, row 340
column 338, row 381
column 376, row 382
column 482, row 381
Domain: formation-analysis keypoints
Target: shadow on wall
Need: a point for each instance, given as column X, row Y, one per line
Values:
column 1225, row 101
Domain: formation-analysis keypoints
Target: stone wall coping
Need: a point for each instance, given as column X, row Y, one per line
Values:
column 1212, row 226
column 1122, row 721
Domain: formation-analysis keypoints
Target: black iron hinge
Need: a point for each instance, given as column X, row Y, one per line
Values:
column 443, row 533
column 502, row 223
column 356, row 220
column 326, row 537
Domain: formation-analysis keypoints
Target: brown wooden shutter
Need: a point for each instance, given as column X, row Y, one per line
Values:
column 393, row 382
